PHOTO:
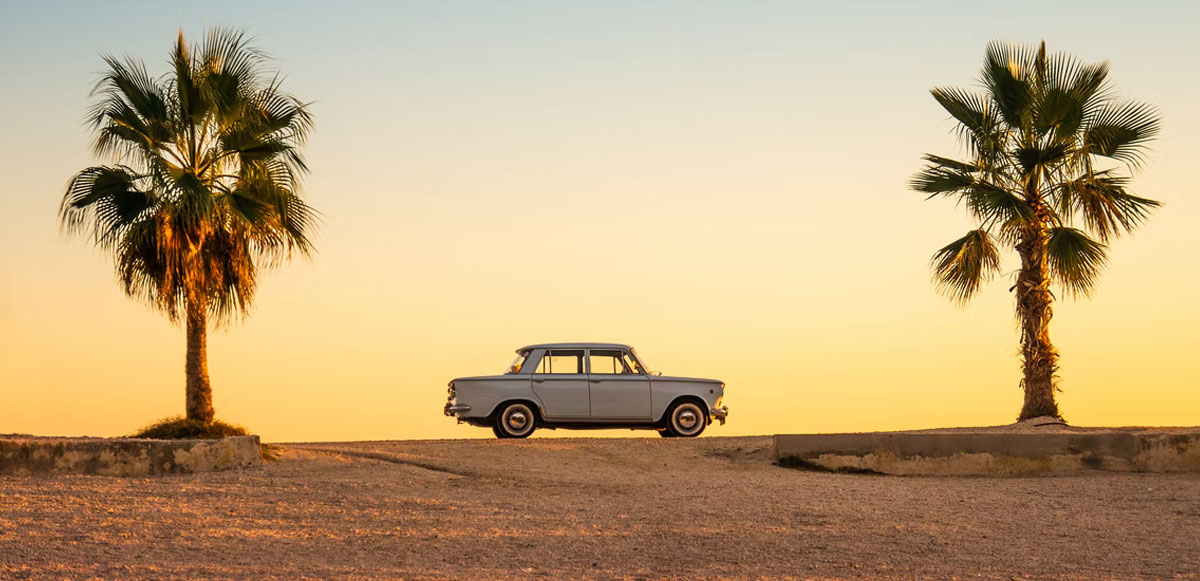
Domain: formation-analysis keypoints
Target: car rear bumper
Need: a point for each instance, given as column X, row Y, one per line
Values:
column 719, row 414
column 453, row 409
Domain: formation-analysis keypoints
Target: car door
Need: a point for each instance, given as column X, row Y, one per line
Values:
column 619, row 390
column 561, row 382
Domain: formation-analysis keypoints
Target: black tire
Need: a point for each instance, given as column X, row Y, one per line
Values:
column 666, row 433
column 515, row 420
column 686, row 419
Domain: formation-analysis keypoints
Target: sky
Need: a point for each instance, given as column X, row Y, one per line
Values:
column 720, row 184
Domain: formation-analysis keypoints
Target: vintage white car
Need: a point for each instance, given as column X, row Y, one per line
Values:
column 585, row 386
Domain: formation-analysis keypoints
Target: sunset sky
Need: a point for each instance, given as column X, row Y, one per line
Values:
column 720, row 184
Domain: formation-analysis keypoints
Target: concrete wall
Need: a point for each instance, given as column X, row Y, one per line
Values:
column 982, row 453
column 125, row 457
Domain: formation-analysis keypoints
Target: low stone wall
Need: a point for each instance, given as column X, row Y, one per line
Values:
column 991, row 453
column 21, row 456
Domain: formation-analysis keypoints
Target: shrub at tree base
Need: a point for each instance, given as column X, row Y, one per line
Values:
column 180, row 428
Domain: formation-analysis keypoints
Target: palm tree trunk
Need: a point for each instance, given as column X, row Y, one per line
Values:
column 199, row 390
column 1034, row 311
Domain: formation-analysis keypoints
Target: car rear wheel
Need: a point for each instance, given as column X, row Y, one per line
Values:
column 516, row 420
column 685, row 420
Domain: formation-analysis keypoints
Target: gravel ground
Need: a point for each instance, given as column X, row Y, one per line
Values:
column 607, row 508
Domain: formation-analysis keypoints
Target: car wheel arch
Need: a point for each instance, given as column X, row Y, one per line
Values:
column 537, row 408
column 663, row 419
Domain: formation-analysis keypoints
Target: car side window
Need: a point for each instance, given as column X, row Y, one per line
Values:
column 631, row 364
column 560, row 362
column 610, row 363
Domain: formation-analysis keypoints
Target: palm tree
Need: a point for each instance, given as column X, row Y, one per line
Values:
column 1047, row 140
column 202, row 191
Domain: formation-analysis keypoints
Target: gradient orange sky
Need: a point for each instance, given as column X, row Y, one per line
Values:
column 720, row 184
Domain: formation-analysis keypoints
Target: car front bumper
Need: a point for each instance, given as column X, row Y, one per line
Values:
column 719, row 414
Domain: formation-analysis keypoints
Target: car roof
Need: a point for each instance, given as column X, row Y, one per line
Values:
column 573, row 346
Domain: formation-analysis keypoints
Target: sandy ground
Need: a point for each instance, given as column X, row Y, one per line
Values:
column 606, row 508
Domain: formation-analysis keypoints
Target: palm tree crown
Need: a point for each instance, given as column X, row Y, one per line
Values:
column 1050, row 150
column 203, row 188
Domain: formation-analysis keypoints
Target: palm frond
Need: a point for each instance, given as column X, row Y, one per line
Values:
column 1122, row 131
column 105, row 200
column 1090, row 85
column 935, row 180
column 1105, row 205
column 1063, row 72
column 230, row 68
column 131, row 114
column 229, row 51
column 1061, row 91
column 961, row 267
column 994, row 205
column 133, row 94
column 970, row 109
column 274, row 218
column 1060, row 111
column 1033, row 158
column 151, row 261
column 1075, row 259
column 1006, row 68
column 189, row 98
column 230, row 274
column 951, row 164
column 978, row 126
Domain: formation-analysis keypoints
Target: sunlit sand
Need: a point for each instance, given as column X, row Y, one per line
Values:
column 590, row 508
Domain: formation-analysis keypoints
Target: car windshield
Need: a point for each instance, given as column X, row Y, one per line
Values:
column 641, row 363
column 517, row 363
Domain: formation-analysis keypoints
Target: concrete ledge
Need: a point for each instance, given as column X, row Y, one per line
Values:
column 995, row 453
column 20, row 456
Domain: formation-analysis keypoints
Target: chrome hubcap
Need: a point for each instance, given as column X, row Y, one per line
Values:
column 517, row 419
column 687, row 419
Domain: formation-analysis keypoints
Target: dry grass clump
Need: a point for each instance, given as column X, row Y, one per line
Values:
column 180, row 428
column 270, row 453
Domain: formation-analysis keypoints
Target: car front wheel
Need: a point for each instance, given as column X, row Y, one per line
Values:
column 516, row 420
column 685, row 420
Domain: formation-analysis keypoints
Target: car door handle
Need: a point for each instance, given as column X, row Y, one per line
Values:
column 538, row 380
column 594, row 380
